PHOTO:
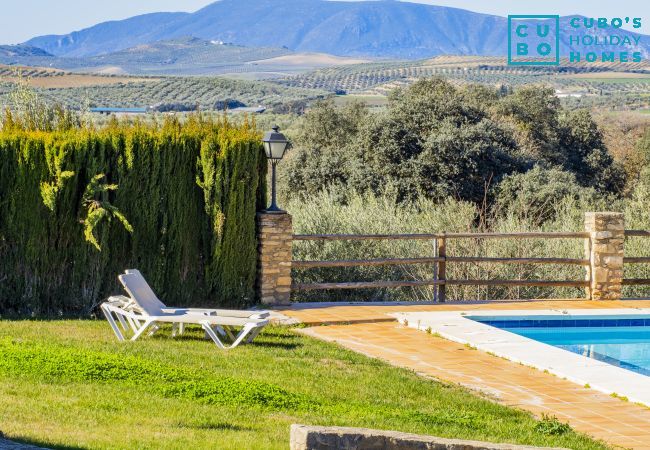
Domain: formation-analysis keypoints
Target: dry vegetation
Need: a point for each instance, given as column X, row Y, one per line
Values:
column 79, row 80
column 47, row 78
column 621, row 131
column 310, row 59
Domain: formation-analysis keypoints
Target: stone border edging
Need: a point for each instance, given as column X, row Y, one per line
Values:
column 305, row 437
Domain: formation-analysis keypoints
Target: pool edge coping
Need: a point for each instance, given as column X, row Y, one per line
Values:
column 456, row 326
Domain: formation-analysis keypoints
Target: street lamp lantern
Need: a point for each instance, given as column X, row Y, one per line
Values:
column 275, row 144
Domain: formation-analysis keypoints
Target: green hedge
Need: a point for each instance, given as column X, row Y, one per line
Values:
column 189, row 192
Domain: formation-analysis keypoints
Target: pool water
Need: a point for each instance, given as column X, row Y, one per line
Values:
column 622, row 341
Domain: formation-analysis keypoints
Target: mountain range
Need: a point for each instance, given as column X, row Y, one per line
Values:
column 181, row 56
column 384, row 29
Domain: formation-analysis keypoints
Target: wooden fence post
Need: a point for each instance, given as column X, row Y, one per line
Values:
column 442, row 268
column 588, row 269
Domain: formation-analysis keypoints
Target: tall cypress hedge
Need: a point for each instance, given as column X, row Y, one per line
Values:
column 189, row 192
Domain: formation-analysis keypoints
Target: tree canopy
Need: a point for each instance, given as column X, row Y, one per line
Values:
column 437, row 140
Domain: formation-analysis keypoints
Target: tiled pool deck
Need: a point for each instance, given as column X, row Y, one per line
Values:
column 368, row 329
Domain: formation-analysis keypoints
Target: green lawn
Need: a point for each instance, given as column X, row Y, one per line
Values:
column 70, row 384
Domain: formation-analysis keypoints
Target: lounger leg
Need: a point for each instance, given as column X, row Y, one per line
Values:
column 135, row 324
column 153, row 330
column 242, row 334
column 228, row 332
column 219, row 329
column 210, row 332
column 178, row 329
column 125, row 326
column 141, row 330
column 111, row 321
column 253, row 335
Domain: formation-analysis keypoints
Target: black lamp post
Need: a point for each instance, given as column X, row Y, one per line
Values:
column 275, row 144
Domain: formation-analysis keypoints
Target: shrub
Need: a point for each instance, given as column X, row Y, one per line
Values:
column 551, row 136
column 586, row 153
column 535, row 194
column 551, row 426
column 189, row 192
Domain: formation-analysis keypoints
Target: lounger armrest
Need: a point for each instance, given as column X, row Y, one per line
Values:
column 196, row 318
column 221, row 312
column 261, row 315
column 118, row 299
column 242, row 314
column 119, row 308
column 209, row 312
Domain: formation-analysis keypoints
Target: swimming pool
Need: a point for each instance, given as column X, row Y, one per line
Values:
column 607, row 350
column 622, row 341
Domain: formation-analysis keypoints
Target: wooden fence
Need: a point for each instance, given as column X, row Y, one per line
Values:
column 636, row 260
column 440, row 259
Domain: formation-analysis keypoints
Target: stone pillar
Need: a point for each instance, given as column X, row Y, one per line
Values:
column 274, row 233
column 605, row 252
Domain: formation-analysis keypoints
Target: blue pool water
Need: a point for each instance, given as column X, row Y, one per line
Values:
column 622, row 341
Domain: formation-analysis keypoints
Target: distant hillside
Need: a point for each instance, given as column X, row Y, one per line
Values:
column 108, row 36
column 188, row 56
column 387, row 29
column 181, row 56
column 7, row 52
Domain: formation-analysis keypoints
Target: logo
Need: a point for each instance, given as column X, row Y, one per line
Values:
column 533, row 40
column 594, row 40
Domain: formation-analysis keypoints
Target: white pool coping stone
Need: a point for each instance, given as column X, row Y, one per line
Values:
column 600, row 376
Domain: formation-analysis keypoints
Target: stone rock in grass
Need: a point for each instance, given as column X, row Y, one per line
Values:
column 305, row 437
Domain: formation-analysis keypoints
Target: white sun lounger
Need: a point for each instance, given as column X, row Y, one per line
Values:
column 149, row 296
column 144, row 311
column 154, row 300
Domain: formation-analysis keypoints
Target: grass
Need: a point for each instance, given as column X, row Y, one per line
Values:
column 69, row 384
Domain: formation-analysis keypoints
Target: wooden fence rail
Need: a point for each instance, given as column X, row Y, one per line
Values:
column 432, row 260
column 636, row 260
column 641, row 260
column 391, row 284
column 635, row 281
column 637, row 233
column 440, row 260
column 361, row 237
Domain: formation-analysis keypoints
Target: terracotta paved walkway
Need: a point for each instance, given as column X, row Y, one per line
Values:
column 368, row 330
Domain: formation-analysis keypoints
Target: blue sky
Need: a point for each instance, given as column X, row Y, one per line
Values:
column 19, row 22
